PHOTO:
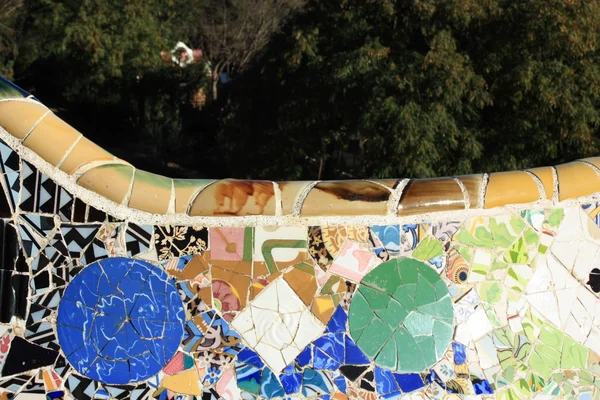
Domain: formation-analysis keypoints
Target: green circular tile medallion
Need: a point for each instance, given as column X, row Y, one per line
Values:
column 401, row 316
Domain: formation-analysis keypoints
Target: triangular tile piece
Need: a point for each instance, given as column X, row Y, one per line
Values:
column 40, row 283
column 37, row 313
column 94, row 252
column 43, row 225
column 30, row 177
column 9, row 158
column 78, row 237
column 47, row 195
column 80, row 387
column 12, row 185
column 30, row 240
column 42, row 333
column 141, row 393
column 64, row 205
column 57, row 251
column 138, row 238
column 49, row 300
column 40, row 262
column 64, row 275
column 119, row 392
column 61, row 367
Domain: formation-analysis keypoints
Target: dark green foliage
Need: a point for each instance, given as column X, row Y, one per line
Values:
column 347, row 88
column 421, row 88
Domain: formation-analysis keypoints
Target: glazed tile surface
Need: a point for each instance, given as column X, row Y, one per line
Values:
column 251, row 295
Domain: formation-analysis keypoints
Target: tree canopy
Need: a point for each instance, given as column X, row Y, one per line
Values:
column 322, row 89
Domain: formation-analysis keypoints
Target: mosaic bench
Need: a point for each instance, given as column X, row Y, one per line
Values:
column 119, row 284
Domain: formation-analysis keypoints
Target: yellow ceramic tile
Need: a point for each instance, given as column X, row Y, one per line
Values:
column 185, row 192
column 431, row 195
column 472, row 184
column 514, row 187
column 151, row 192
column 576, row 180
column 51, row 139
column 346, row 198
column 323, row 308
column 232, row 197
column 186, row 382
column 545, row 175
column 290, row 191
column 18, row 117
column 593, row 160
column 302, row 283
column 111, row 181
column 84, row 152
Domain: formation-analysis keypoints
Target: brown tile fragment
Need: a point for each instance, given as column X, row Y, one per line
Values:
column 18, row 117
column 304, row 284
column 472, row 184
column 346, row 198
column 513, row 187
column 431, row 195
column 576, row 179
column 233, row 197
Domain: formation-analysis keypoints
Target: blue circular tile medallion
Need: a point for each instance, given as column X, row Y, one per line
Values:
column 120, row 320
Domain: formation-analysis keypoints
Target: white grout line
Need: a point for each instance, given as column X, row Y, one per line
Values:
column 540, row 185
column 482, row 191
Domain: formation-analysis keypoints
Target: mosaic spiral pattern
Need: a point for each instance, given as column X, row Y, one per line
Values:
column 120, row 321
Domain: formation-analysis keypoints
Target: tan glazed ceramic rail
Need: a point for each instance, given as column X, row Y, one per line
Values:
column 104, row 181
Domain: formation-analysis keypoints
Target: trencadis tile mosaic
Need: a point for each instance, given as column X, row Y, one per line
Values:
column 96, row 306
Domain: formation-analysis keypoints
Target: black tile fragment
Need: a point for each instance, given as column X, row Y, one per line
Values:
column 25, row 356
column 20, row 284
column 7, row 296
column 79, row 208
column 9, row 247
column 352, row 372
column 95, row 215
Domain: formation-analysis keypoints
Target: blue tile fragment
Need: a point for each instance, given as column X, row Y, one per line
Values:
column 291, row 382
column 332, row 345
column 270, row 387
column 315, row 383
column 460, row 353
column 354, row 355
column 248, row 378
column 305, row 357
column 482, row 386
column 389, row 236
column 409, row 382
column 341, row 384
column 338, row 321
column 384, row 381
column 323, row 361
column 249, row 357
